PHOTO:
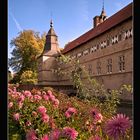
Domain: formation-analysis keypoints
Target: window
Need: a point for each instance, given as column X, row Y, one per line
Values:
column 127, row 34
column 105, row 44
column 79, row 54
column 109, row 65
column 120, row 37
column 93, row 49
column 114, row 39
column 90, row 69
column 121, row 63
column 98, row 67
column 85, row 52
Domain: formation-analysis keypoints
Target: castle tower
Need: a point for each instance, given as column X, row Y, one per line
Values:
column 103, row 14
column 51, row 45
column 47, row 61
column 99, row 19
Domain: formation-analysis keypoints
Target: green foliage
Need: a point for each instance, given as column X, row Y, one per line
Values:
column 82, row 120
column 91, row 89
column 28, row 47
column 28, row 77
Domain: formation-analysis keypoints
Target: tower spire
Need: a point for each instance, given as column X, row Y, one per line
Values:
column 51, row 23
column 103, row 6
column 103, row 14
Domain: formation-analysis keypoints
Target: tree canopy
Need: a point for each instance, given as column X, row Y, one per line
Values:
column 28, row 46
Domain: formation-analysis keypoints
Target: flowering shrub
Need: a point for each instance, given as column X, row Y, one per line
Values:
column 47, row 115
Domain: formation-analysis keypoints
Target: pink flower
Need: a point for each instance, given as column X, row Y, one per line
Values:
column 45, row 137
column 38, row 93
column 27, row 93
column 41, row 109
column 14, row 89
column 34, row 113
column 46, row 97
column 20, row 104
column 49, row 92
column 45, row 118
column 70, row 112
column 28, row 123
column 10, row 104
column 16, row 116
column 97, row 116
column 55, row 102
column 21, row 98
column 50, row 95
column 31, row 98
column 69, row 133
column 117, row 126
column 43, row 93
column 95, row 138
column 10, row 90
column 55, row 134
column 52, row 123
column 31, row 135
column 37, row 97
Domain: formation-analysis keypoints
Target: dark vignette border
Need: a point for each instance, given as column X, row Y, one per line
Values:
column 136, row 107
column 3, row 69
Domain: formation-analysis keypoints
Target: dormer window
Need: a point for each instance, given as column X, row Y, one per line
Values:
column 121, row 63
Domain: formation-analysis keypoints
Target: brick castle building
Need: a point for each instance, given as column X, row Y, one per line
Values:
column 106, row 51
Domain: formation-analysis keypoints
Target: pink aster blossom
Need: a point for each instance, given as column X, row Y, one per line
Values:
column 20, row 105
column 10, row 90
column 70, row 112
column 21, row 98
column 45, row 118
column 27, row 93
column 52, row 123
column 41, row 109
column 49, row 92
column 34, row 113
column 43, row 93
column 54, row 135
column 45, row 137
column 10, row 104
column 28, row 123
column 50, row 95
column 31, row 135
column 46, row 97
column 55, row 102
column 38, row 92
column 31, row 98
column 18, row 93
column 97, row 116
column 69, row 133
column 16, row 116
column 117, row 126
column 37, row 97
column 14, row 89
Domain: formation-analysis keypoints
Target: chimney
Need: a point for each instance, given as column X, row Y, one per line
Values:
column 96, row 21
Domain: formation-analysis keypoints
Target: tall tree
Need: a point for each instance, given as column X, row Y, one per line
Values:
column 28, row 46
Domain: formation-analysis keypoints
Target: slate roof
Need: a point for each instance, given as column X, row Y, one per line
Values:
column 109, row 23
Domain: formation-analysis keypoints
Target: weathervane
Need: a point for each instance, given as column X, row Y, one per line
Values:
column 51, row 22
column 103, row 6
